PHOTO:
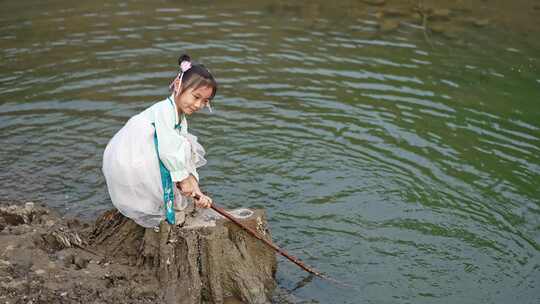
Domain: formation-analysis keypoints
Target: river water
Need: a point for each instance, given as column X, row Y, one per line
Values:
column 403, row 161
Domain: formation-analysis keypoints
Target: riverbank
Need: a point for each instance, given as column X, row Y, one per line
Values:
column 49, row 259
column 42, row 260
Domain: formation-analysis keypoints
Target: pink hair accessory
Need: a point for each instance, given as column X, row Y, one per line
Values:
column 185, row 65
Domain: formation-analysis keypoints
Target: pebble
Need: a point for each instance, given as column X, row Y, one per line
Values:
column 80, row 262
column 40, row 271
column 51, row 265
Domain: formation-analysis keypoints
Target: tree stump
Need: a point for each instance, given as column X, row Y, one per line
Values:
column 196, row 262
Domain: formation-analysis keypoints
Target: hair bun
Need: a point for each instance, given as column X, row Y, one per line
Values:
column 184, row 57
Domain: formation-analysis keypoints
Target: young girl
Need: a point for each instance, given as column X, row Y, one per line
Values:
column 151, row 162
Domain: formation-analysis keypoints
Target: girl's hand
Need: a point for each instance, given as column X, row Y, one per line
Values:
column 188, row 186
column 203, row 201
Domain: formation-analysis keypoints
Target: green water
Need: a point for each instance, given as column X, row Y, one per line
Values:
column 402, row 162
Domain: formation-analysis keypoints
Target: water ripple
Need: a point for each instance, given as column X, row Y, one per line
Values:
column 405, row 163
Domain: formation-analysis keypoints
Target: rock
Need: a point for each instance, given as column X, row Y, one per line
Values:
column 29, row 206
column 69, row 260
column 80, row 262
column 73, row 223
column 481, row 22
column 15, row 215
column 12, row 216
column 40, row 272
column 389, row 25
column 440, row 14
column 60, row 237
column 21, row 229
column 4, row 263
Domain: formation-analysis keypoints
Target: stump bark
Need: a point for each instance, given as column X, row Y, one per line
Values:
column 195, row 262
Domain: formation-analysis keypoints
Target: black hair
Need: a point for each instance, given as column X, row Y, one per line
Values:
column 197, row 76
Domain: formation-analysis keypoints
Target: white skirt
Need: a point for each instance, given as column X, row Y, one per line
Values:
column 131, row 170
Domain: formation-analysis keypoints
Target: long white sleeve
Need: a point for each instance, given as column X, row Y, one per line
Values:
column 174, row 149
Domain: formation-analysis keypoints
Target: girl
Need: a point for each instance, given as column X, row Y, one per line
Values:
column 151, row 162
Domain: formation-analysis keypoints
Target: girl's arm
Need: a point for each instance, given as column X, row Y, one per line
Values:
column 175, row 153
column 171, row 146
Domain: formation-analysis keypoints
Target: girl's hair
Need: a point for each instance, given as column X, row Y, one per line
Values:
column 197, row 76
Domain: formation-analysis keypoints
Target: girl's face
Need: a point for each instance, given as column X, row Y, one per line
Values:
column 192, row 100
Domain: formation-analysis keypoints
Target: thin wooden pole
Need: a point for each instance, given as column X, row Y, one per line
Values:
column 271, row 245
column 276, row 248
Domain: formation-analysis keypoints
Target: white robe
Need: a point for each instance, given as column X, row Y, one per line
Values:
column 131, row 166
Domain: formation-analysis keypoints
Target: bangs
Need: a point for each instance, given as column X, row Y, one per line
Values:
column 198, row 82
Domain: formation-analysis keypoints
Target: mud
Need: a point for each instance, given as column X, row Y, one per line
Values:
column 42, row 260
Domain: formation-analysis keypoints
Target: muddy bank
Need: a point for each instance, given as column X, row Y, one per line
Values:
column 48, row 259
column 37, row 267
